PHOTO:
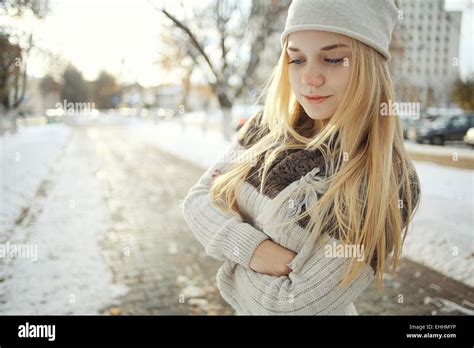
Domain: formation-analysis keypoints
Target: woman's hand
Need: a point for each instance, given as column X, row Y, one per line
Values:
column 272, row 259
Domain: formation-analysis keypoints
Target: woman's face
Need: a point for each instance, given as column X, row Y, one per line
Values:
column 319, row 70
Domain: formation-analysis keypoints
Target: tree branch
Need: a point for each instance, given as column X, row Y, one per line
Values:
column 193, row 39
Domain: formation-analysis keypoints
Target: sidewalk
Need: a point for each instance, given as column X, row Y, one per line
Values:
column 417, row 290
column 443, row 155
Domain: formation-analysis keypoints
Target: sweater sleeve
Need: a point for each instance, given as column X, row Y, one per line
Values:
column 225, row 236
column 310, row 289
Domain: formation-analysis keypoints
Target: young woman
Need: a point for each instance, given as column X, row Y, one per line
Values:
column 314, row 198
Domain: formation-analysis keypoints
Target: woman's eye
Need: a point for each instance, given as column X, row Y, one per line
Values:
column 334, row 60
column 296, row 61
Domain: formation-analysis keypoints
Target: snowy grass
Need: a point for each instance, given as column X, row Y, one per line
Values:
column 26, row 158
column 70, row 275
column 442, row 237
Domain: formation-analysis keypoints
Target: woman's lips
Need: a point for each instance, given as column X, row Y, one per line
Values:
column 316, row 100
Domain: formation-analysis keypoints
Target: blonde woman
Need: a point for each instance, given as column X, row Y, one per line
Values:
column 314, row 197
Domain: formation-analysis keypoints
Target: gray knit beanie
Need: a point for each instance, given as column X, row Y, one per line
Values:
column 369, row 21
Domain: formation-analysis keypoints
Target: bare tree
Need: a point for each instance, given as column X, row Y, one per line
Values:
column 178, row 56
column 15, row 47
column 17, row 8
column 12, row 72
column 226, row 41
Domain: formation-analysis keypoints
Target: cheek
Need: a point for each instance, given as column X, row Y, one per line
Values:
column 341, row 80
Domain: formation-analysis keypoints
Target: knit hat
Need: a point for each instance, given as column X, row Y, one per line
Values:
column 369, row 21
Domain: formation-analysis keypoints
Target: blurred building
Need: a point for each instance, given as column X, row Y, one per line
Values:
column 132, row 96
column 426, row 60
column 169, row 96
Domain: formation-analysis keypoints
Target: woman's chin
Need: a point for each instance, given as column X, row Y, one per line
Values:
column 315, row 115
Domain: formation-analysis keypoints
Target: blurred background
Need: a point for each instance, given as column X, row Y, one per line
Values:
column 111, row 110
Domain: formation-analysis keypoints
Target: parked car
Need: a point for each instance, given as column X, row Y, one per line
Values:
column 412, row 126
column 409, row 126
column 445, row 128
column 469, row 137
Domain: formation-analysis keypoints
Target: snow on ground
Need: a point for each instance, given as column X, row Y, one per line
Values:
column 441, row 235
column 64, row 273
column 24, row 167
column 187, row 141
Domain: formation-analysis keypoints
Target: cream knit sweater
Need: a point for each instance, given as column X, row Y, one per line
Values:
column 310, row 289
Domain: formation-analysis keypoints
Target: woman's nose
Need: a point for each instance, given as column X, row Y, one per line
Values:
column 312, row 77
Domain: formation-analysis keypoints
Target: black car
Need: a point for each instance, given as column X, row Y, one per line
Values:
column 411, row 125
column 445, row 128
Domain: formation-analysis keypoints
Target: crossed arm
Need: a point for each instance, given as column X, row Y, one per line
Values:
column 310, row 289
column 224, row 235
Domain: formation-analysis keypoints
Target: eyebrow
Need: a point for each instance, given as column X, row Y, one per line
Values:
column 327, row 48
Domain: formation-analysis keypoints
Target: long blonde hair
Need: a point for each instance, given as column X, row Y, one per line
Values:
column 370, row 175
